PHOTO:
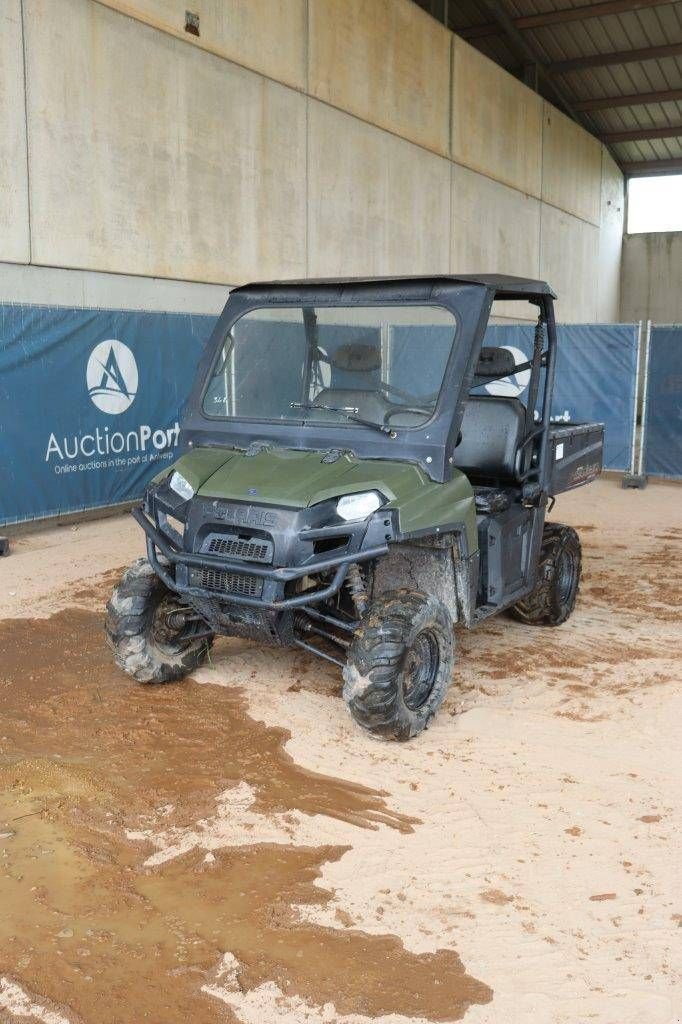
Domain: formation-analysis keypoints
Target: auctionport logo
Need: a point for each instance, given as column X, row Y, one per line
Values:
column 112, row 379
column 112, row 376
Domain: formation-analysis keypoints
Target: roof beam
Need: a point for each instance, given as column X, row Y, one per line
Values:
column 601, row 60
column 636, row 99
column 642, row 168
column 561, row 16
column 671, row 131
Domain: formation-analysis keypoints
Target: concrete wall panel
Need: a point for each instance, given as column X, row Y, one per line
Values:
column 154, row 153
column 51, row 286
column 152, row 157
column 496, row 121
column 265, row 35
column 495, row 230
column 652, row 277
column 610, row 239
column 571, row 166
column 377, row 204
column 568, row 261
column 386, row 61
column 14, row 227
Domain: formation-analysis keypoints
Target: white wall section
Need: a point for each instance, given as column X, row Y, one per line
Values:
column 290, row 138
column 651, row 277
column 496, row 121
column 376, row 203
column 14, row 229
column 149, row 156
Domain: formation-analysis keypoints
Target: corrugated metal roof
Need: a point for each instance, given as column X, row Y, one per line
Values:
column 593, row 31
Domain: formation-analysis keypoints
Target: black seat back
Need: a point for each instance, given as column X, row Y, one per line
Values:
column 492, row 430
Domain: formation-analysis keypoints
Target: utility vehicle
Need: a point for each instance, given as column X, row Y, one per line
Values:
column 360, row 473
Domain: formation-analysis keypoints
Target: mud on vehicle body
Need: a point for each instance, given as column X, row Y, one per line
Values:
column 360, row 473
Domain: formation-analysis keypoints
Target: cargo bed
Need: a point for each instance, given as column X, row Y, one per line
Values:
column 576, row 452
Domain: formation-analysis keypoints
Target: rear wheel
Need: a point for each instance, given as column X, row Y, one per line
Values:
column 556, row 589
column 399, row 664
column 154, row 636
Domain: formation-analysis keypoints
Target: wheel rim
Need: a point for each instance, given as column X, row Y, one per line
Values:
column 421, row 670
column 565, row 577
column 168, row 631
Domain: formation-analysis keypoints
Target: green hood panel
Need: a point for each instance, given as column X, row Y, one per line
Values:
column 297, row 479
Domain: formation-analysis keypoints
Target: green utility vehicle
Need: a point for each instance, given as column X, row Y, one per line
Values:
column 360, row 473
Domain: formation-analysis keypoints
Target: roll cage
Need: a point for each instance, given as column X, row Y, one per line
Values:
column 431, row 445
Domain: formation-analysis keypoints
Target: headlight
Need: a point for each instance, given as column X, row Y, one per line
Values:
column 358, row 506
column 178, row 484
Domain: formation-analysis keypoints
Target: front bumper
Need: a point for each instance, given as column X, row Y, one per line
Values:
column 291, row 538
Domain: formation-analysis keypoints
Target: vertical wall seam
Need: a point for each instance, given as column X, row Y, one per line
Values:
column 28, row 162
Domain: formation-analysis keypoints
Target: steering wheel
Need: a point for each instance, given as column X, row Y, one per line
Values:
column 395, row 409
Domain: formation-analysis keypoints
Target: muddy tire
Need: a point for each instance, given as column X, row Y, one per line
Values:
column 556, row 590
column 399, row 664
column 145, row 643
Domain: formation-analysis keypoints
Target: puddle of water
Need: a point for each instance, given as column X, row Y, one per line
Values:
column 85, row 754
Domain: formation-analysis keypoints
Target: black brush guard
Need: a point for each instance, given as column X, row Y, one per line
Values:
column 157, row 542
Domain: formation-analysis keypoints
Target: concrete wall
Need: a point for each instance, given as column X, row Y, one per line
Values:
column 496, row 121
column 376, row 203
column 291, row 138
column 137, row 172
column 51, row 286
column 387, row 62
column 651, row 287
column 268, row 36
column 611, row 225
column 14, row 231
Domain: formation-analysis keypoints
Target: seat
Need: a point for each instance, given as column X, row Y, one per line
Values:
column 492, row 430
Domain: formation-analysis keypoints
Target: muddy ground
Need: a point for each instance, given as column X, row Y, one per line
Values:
column 233, row 848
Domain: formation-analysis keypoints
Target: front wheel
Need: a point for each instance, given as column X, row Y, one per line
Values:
column 558, row 577
column 153, row 636
column 399, row 664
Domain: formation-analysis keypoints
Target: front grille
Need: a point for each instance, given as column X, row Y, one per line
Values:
column 231, row 583
column 246, row 549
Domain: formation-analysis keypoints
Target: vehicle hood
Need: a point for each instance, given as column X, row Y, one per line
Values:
column 295, row 479
column 298, row 479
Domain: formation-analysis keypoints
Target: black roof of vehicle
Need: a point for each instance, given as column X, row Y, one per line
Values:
column 504, row 285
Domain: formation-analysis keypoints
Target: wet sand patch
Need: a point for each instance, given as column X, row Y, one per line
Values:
column 86, row 754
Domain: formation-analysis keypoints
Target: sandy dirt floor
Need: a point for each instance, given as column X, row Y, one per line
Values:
column 234, row 848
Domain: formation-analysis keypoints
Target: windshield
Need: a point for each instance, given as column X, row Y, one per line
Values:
column 380, row 366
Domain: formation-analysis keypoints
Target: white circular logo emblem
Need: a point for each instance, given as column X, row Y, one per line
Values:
column 112, row 376
column 512, row 386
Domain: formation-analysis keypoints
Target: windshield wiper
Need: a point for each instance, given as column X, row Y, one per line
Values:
column 349, row 411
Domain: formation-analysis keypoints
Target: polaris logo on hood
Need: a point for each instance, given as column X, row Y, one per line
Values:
column 243, row 515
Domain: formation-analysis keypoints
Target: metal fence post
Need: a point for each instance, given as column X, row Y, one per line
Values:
column 635, row 400
column 635, row 478
column 645, row 403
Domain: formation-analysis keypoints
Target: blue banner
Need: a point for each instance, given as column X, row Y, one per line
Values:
column 90, row 401
column 596, row 376
column 663, row 433
column 91, row 398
